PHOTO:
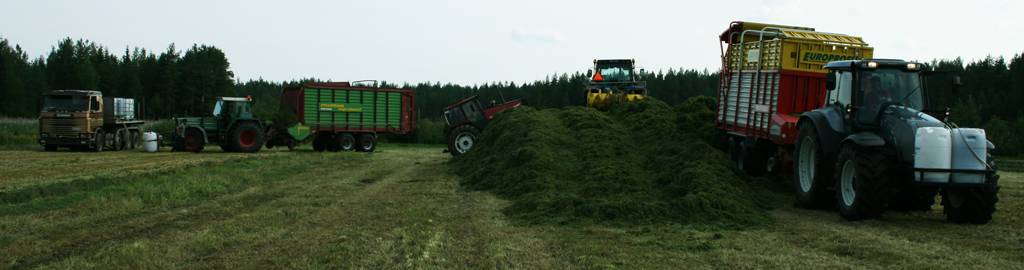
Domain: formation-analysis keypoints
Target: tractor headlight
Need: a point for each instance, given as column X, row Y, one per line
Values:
column 913, row 66
column 44, row 135
column 872, row 64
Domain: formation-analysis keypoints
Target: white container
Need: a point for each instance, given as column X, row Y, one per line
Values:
column 150, row 142
column 932, row 150
column 969, row 153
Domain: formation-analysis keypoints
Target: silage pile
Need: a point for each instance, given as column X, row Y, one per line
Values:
column 640, row 163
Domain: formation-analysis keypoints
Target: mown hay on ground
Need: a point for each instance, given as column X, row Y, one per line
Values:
column 643, row 162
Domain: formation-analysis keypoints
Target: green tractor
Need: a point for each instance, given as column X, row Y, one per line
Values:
column 231, row 125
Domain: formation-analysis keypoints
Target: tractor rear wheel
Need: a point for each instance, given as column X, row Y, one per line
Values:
column 346, row 142
column 246, row 137
column 367, row 142
column 193, row 140
column 811, row 176
column 861, row 179
column 973, row 204
column 462, row 139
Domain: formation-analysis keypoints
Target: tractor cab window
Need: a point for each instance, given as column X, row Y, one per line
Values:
column 218, row 108
column 888, row 86
column 472, row 110
column 842, row 95
column 615, row 74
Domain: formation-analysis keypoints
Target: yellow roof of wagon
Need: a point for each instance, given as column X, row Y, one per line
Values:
column 731, row 35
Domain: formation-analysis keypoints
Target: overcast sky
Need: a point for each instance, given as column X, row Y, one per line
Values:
column 477, row 41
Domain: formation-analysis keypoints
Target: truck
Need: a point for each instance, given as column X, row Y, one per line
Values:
column 342, row 116
column 86, row 120
column 466, row 118
column 858, row 133
column 613, row 81
column 231, row 125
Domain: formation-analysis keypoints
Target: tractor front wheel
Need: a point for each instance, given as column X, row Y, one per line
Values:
column 246, row 137
column 973, row 204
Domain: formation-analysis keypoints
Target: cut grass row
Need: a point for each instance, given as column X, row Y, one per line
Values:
column 401, row 208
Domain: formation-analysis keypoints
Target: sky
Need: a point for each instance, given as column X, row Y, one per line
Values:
column 481, row 41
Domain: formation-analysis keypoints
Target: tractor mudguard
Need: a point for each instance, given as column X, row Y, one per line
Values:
column 828, row 127
column 865, row 139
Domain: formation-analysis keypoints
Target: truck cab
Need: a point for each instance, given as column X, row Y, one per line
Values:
column 612, row 81
column 84, row 119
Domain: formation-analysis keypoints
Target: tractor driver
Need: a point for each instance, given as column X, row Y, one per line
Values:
column 874, row 93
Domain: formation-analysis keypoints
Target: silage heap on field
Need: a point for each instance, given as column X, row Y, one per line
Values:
column 639, row 163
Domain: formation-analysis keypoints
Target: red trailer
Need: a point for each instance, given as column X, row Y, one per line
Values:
column 770, row 75
column 339, row 116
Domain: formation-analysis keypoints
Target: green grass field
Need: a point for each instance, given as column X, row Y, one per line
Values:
column 401, row 208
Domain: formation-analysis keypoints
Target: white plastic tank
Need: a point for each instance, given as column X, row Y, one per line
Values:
column 932, row 150
column 970, row 148
column 150, row 142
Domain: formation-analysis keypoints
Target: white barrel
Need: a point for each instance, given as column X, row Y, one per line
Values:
column 970, row 148
column 932, row 150
column 150, row 142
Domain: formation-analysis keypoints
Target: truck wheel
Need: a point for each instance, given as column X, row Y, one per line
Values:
column 974, row 204
column 914, row 199
column 50, row 147
column 133, row 140
column 346, row 142
column 462, row 139
column 193, row 141
column 101, row 140
column 121, row 141
column 367, row 142
column 861, row 179
column 246, row 137
column 810, row 175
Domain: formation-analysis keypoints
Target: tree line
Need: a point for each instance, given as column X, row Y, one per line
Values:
column 175, row 83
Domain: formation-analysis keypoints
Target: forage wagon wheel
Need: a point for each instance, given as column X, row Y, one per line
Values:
column 246, row 137
column 193, row 141
column 346, row 142
column 331, row 143
column 367, row 142
column 462, row 139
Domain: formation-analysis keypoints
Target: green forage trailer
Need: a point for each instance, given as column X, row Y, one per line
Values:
column 339, row 116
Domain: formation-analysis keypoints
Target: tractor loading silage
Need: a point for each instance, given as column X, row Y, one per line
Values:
column 642, row 162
